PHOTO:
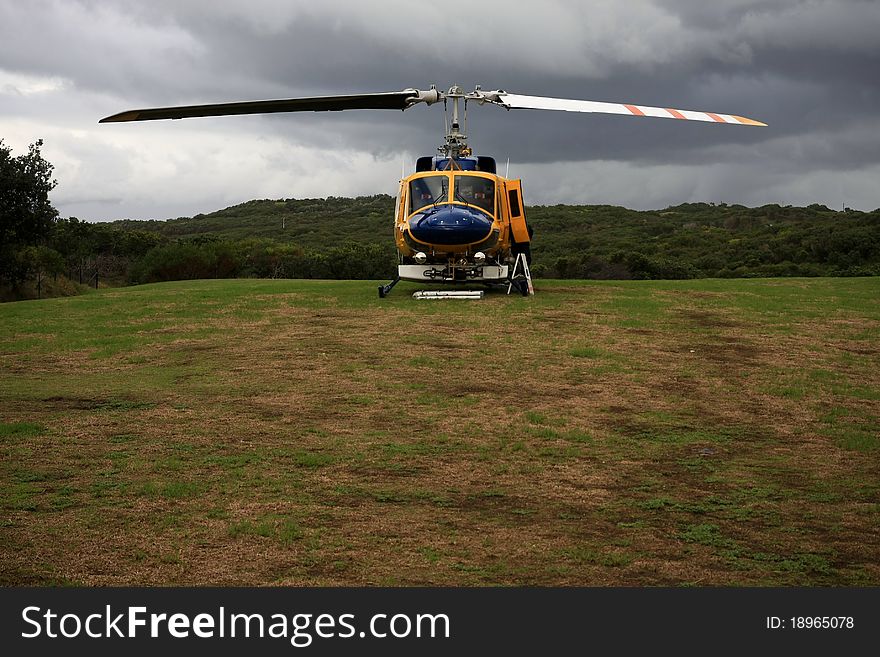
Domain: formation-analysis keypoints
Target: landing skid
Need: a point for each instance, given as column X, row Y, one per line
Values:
column 448, row 294
column 519, row 279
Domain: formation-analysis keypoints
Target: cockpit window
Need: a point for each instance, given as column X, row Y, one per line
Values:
column 477, row 191
column 427, row 191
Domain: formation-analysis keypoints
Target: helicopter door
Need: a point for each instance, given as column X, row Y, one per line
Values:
column 399, row 212
column 517, row 211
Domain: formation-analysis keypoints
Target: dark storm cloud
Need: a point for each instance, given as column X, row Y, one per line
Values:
column 783, row 64
column 807, row 68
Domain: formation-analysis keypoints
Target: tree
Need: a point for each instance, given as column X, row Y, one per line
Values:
column 26, row 215
column 41, row 261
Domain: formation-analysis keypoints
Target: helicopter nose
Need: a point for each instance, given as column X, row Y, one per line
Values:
column 450, row 224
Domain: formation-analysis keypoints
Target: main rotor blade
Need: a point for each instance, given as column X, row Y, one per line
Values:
column 398, row 100
column 516, row 101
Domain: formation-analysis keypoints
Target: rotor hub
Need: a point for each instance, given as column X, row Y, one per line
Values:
column 455, row 143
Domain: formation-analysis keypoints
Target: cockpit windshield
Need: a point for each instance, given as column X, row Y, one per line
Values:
column 477, row 191
column 428, row 191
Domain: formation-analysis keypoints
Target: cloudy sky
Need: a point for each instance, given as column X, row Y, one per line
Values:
column 808, row 68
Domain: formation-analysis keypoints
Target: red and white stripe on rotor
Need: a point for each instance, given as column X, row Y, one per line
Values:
column 517, row 101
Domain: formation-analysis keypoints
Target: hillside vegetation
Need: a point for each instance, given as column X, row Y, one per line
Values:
column 351, row 238
column 42, row 254
column 589, row 241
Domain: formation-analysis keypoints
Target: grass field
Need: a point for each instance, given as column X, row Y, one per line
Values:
column 308, row 433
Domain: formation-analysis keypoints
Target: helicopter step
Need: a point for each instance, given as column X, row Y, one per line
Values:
column 522, row 280
column 448, row 294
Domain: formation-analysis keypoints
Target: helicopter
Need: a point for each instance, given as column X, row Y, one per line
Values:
column 456, row 220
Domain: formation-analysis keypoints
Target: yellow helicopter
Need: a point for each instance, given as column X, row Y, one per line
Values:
column 456, row 220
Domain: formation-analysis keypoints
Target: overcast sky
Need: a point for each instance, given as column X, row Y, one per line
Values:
column 808, row 68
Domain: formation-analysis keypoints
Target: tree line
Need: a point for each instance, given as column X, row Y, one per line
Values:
column 698, row 240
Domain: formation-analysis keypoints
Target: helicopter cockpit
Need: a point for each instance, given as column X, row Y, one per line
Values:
column 471, row 190
column 477, row 191
column 426, row 191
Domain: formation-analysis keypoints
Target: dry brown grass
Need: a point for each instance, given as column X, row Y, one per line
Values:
column 599, row 434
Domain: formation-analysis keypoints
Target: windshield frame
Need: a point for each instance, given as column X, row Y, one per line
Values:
column 481, row 198
column 424, row 191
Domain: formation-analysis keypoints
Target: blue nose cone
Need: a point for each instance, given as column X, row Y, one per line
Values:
column 450, row 224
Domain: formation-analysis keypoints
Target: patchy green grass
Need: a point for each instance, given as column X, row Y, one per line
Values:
column 307, row 433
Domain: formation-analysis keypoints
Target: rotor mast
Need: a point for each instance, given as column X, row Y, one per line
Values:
column 456, row 141
column 455, row 144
